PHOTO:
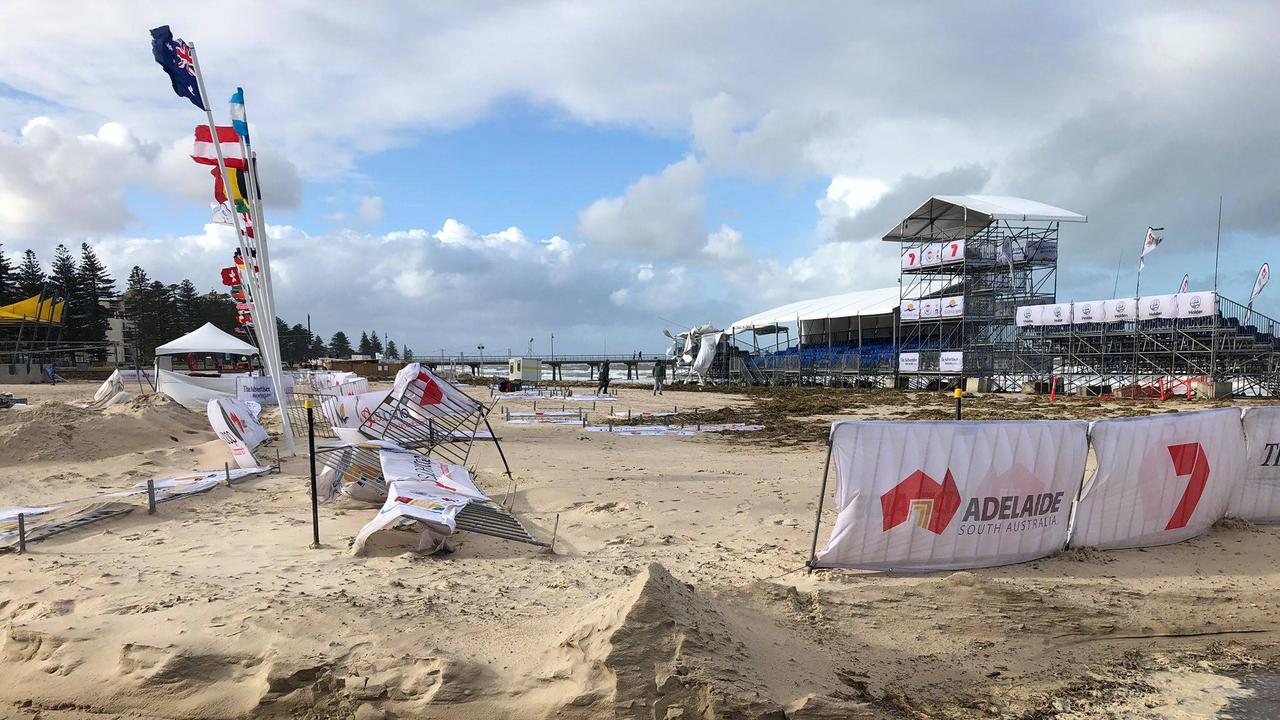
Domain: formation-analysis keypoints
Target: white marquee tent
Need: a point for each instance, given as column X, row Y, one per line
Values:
column 841, row 317
column 207, row 339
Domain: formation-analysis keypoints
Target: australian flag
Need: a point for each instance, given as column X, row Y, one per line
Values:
column 174, row 56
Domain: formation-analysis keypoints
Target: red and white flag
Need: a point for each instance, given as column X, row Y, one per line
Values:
column 1186, row 283
column 1264, row 275
column 204, row 152
column 1153, row 240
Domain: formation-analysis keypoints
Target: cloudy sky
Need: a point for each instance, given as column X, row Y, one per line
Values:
column 455, row 174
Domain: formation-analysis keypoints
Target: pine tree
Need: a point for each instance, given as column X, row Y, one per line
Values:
column 340, row 346
column 408, row 354
column 64, row 284
column 94, row 287
column 189, row 306
column 317, row 349
column 365, row 347
column 392, row 352
column 375, row 343
column 31, row 276
column 8, row 280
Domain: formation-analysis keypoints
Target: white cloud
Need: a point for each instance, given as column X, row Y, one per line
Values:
column 369, row 210
column 659, row 216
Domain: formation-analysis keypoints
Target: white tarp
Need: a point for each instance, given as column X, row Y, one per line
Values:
column 1087, row 312
column 1196, row 304
column 423, row 490
column 910, row 310
column 1155, row 307
column 351, row 411
column 930, row 308
column 706, row 353
column 860, row 303
column 193, row 392
column 1160, row 479
column 234, row 422
column 207, row 339
column 909, row 362
column 951, row 361
column 948, row 495
column 1120, row 310
column 953, row 306
column 1257, row 497
column 1029, row 315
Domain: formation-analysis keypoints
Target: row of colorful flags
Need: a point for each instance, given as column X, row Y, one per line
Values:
column 237, row 202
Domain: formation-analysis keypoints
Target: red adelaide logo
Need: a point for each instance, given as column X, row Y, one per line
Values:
column 932, row 503
column 432, row 393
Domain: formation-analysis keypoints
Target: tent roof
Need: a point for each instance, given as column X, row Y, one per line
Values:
column 947, row 217
column 881, row 301
column 207, row 339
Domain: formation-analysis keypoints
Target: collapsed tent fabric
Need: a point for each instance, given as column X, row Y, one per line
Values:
column 207, row 339
column 192, row 391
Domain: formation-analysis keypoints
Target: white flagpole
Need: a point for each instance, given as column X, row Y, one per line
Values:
column 250, row 282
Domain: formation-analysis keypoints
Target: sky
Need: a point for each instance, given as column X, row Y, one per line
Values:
column 457, row 174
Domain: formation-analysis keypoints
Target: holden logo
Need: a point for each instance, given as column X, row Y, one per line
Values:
column 1195, row 303
column 1155, row 305
column 1120, row 307
column 1026, row 314
column 1057, row 312
column 1086, row 311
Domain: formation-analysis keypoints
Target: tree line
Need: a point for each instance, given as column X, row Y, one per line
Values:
column 155, row 312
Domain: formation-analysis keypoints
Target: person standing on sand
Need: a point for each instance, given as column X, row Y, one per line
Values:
column 659, row 375
column 603, row 389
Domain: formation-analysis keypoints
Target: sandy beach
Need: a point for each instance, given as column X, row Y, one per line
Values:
column 676, row 589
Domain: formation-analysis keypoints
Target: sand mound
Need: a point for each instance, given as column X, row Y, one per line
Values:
column 63, row 432
column 658, row 649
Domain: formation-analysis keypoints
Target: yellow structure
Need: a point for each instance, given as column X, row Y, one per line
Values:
column 33, row 309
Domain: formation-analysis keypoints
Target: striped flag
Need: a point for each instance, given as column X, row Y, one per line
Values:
column 204, row 152
column 1151, row 243
column 239, row 121
column 239, row 188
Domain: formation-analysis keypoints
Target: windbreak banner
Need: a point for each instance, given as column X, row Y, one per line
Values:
column 932, row 254
column 1160, row 479
column 1059, row 314
column 1195, row 304
column 1257, row 497
column 909, row 362
column 948, row 495
column 425, row 389
column 1156, row 307
column 930, row 308
column 257, row 389
column 350, row 411
column 951, row 361
column 1120, row 310
column 1029, row 315
column 909, row 310
column 423, row 490
column 953, row 306
column 953, row 251
column 1085, row 313
column 235, row 424
column 911, row 259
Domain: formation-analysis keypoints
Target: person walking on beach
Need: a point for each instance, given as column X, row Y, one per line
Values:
column 603, row 389
column 659, row 375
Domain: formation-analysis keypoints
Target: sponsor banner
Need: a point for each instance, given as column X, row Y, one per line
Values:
column 1087, row 312
column 234, row 423
column 951, row 361
column 1155, row 307
column 948, row 495
column 953, row 306
column 909, row 310
column 1195, row 304
column 1159, row 479
column 1057, row 314
column 1257, row 497
column 909, row 362
column 911, row 259
column 932, row 254
column 931, row 308
column 1029, row 315
column 1120, row 310
column 400, row 465
column 423, row 490
column 258, row 389
column 351, row 411
column 953, row 251
column 425, row 389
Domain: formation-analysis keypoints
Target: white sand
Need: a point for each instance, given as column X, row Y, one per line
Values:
column 674, row 593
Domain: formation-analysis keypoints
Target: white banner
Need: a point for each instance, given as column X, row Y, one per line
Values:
column 910, row 259
column 1195, row 304
column 930, row 308
column 1160, row 479
column 194, row 392
column 951, row 361
column 1120, row 310
column 947, row 495
column 1087, row 312
column 1155, row 307
column 257, row 389
column 953, row 251
column 953, row 306
column 1058, row 314
column 909, row 310
column 1029, row 315
column 426, row 389
column 423, row 490
column 234, row 423
column 352, row 411
column 1257, row 497
column 909, row 362
column 932, row 254
column 1264, row 276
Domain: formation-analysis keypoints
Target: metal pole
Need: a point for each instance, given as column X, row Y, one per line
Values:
column 555, row 533
column 959, row 400
column 315, row 502
column 822, row 495
column 151, row 497
column 22, row 533
column 226, row 469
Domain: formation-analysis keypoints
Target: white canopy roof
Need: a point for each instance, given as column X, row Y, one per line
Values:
column 207, row 339
column 957, row 216
column 861, row 302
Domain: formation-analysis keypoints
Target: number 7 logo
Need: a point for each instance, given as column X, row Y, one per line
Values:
column 1188, row 459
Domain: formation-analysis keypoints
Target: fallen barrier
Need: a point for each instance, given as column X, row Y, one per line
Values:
column 685, row 431
column 921, row 496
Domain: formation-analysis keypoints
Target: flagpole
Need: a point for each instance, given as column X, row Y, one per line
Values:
column 1217, row 248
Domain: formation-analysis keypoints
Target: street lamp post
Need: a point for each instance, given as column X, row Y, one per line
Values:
column 480, row 367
